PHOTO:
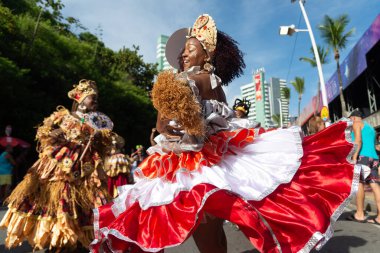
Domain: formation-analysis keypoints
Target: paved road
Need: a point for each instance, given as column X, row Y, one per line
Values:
column 349, row 237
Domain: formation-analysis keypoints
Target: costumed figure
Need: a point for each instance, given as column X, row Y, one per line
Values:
column 241, row 107
column 284, row 192
column 52, row 206
column 117, row 166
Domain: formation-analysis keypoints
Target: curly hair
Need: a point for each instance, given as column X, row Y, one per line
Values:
column 228, row 59
column 174, row 99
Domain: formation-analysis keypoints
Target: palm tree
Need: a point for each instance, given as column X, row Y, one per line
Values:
column 313, row 62
column 335, row 35
column 299, row 86
column 285, row 92
column 276, row 119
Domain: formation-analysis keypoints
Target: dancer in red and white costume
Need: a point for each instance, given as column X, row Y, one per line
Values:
column 284, row 192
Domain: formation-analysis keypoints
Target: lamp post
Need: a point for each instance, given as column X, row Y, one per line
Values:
column 279, row 102
column 289, row 30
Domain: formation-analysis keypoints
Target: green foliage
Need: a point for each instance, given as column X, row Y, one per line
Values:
column 334, row 31
column 335, row 35
column 322, row 56
column 40, row 60
column 285, row 91
column 299, row 86
column 276, row 119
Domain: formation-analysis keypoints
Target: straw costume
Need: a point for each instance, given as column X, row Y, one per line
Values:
column 52, row 206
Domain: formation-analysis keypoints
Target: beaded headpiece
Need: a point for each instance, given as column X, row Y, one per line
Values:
column 204, row 30
column 82, row 90
column 242, row 105
column 241, row 108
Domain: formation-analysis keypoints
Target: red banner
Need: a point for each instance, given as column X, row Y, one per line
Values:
column 259, row 95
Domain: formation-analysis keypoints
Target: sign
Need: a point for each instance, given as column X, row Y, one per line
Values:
column 355, row 62
column 325, row 113
column 259, row 92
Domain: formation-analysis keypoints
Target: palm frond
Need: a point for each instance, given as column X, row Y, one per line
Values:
column 277, row 119
column 333, row 31
column 299, row 85
column 311, row 61
column 285, row 91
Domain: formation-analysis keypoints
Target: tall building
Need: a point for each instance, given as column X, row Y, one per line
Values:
column 161, row 59
column 277, row 98
column 258, row 93
column 248, row 92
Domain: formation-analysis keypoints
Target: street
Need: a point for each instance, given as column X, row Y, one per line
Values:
column 349, row 237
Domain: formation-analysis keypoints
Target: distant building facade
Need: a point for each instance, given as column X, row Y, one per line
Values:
column 277, row 98
column 264, row 98
column 161, row 59
column 257, row 93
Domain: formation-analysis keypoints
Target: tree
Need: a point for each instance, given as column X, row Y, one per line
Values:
column 277, row 119
column 285, row 92
column 299, row 86
column 334, row 33
column 33, row 86
column 313, row 62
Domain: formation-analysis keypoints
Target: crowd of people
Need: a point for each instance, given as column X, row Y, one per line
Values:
column 207, row 163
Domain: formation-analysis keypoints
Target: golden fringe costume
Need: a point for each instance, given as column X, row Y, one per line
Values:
column 117, row 167
column 52, row 206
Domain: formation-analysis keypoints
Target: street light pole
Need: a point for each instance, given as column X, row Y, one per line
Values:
column 317, row 59
column 279, row 102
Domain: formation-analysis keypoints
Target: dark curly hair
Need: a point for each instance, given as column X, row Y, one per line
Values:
column 228, row 59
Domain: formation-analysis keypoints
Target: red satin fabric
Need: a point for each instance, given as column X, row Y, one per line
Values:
column 114, row 182
column 294, row 211
column 166, row 165
column 172, row 224
column 298, row 209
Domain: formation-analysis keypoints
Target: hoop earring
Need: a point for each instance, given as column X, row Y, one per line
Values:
column 208, row 66
column 82, row 107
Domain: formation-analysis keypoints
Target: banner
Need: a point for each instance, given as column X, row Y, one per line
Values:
column 259, row 94
column 355, row 62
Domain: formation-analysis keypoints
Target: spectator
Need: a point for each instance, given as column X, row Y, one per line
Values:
column 152, row 135
column 7, row 164
column 315, row 124
column 241, row 108
column 137, row 157
column 364, row 136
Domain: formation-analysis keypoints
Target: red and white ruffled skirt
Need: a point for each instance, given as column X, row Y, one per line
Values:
column 283, row 192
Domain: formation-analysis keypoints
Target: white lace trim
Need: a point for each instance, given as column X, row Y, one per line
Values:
column 228, row 174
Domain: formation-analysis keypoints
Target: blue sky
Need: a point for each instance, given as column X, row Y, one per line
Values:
column 253, row 23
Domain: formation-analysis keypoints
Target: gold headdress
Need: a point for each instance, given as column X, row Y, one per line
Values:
column 204, row 30
column 242, row 105
column 82, row 90
column 241, row 108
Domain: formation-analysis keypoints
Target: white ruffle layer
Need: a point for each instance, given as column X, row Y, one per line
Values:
column 253, row 173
